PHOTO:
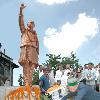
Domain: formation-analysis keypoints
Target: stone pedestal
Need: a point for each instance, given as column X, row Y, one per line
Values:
column 4, row 90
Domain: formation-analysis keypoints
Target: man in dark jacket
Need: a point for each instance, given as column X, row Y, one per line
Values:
column 79, row 91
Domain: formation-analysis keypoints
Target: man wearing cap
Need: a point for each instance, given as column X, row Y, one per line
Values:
column 29, row 48
column 79, row 91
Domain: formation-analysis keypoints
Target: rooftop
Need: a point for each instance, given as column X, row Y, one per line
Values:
column 6, row 58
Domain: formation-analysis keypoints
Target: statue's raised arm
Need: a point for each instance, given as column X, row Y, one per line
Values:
column 21, row 19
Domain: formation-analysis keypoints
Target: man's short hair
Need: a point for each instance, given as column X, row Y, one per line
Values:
column 90, row 63
column 45, row 69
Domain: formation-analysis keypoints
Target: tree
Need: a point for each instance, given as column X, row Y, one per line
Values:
column 35, row 78
column 20, row 80
column 74, row 60
column 53, row 61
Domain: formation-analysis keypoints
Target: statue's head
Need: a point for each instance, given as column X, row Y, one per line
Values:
column 31, row 24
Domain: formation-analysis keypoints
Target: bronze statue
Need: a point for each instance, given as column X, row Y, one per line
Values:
column 29, row 48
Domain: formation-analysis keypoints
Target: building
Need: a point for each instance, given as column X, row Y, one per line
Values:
column 6, row 69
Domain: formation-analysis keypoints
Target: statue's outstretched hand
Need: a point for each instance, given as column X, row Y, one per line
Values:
column 22, row 6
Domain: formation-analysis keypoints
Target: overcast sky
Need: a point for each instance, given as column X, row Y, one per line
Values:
column 62, row 26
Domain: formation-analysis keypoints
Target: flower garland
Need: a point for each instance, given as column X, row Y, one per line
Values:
column 19, row 94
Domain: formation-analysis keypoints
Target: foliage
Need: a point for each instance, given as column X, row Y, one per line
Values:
column 35, row 78
column 20, row 80
column 72, row 60
column 54, row 60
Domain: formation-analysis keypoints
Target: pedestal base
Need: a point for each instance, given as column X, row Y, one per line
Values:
column 4, row 90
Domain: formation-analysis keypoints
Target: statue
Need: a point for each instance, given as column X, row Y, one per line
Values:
column 29, row 48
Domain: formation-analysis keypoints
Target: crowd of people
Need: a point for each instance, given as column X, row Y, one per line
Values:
column 71, row 80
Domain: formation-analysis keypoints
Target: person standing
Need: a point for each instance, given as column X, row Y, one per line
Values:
column 98, row 81
column 91, row 76
column 40, row 71
column 58, row 77
column 44, row 84
column 68, row 69
column 64, row 79
column 51, row 75
column 29, row 47
column 58, row 74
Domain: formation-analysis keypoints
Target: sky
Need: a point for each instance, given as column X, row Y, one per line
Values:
column 62, row 26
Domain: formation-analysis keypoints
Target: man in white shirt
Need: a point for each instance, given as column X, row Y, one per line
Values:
column 58, row 74
column 40, row 71
column 67, row 70
column 91, row 75
column 64, row 79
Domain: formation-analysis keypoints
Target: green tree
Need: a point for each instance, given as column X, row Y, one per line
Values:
column 74, row 60
column 20, row 80
column 35, row 78
column 53, row 61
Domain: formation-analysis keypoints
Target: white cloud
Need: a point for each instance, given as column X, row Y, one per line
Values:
column 71, row 36
column 51, row 2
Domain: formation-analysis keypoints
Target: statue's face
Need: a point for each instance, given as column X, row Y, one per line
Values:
column 31, row 25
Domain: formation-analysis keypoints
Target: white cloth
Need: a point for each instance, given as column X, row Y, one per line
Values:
column 40, row 73
column 67, row 71
column 51, row 77
column 55, row 95
column 98, row 81
column 64, row 85
column 97, row 74
column 92, row 74
column 84, row 74
column 58, row 75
